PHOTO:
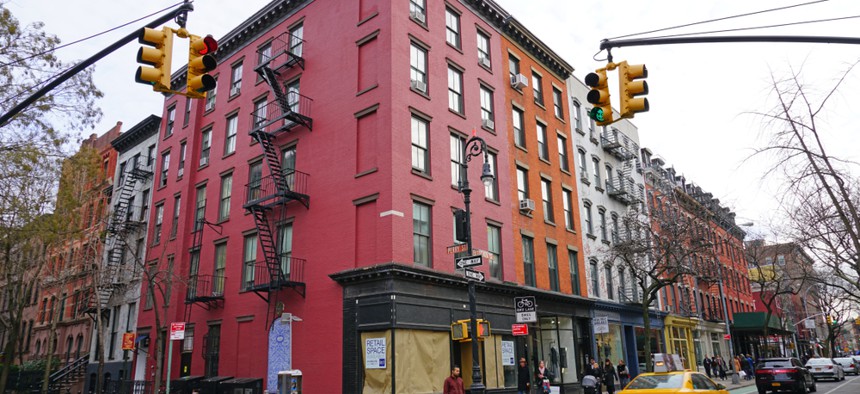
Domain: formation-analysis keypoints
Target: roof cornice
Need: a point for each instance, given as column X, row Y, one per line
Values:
column 141, row 131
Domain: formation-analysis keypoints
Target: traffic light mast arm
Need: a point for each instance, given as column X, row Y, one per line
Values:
column 609, row 44
column 179, row 13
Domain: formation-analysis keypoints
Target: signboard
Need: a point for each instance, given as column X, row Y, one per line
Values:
column 177, row 331
column 727, row 336
column 474, row 275
column 374, row 353
column 526, row 309
column 809, row 323
column 519, row 329
column 469, row 261
column 128, row 341
column 458, row 248
column 601, row 325
column 508, row 355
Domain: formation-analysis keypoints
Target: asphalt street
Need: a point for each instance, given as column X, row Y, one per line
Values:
column 851, row 385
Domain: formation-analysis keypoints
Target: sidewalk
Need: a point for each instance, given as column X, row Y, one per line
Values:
column 730, row 386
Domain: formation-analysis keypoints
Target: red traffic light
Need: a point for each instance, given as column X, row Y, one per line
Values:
column 204, row 46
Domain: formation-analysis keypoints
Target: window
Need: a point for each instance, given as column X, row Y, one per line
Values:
column 610, row 287
column 220, row 264
column 513, row 66
column 210, row 97
column 483, row 49
column 601, row 214
column 264, row 53
column 159, row 220
column 543, row 149
column 418, row 67
column 296, row 40
column 188, row 341
column 552, row 263
column 212, row 350
column 455, row 90
column 255, row 181
column 583, row 169
column 519, row 128
column 171, row 118
column 529, row 261
column 491, row 192
column 589, row 228
column 144, row 206
column 165, row 166
column 557, row 103
column 780, row 260
column 562, row 153
column 150, row 155
column 457, row 160
column 182, row 150
column 416, row 10
column 573, row 262
column 230, row 143
column 567, row 200
column 595, row 167
column 235, row 79
column 293, row 97
column 421, row 236
column 546, row 196
column 614, row 228
column 284, row 248
column 205, row 143
column 420, row 146
column 538, row 90
column 226, row 193
column 249, row 260
column 200, row 212
column 592, row 127
column 487, row 117
column 288, row 165
column 174, row 225
column 522, row 183
column 452, row 27
column 187, row 112
column 609, row 177
column 260, row 109
column 577, row 115
column 494, row 246
column 595, row 281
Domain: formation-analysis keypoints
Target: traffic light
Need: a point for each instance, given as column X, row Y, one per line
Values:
column 629, row 87
column 460, row 225
column 599, row 97
column 201, row 60
column 461, row 330
column 156, row 57
column 829, row 320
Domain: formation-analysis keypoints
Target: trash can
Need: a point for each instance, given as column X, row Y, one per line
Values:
column 185, row 384
column 242, row 386
column 290, row 382
column 210, row 385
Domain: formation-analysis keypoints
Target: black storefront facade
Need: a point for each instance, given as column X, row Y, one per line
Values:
column 397, row 331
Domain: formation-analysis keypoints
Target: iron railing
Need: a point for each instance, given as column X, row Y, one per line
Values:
column 292, row 272
column 266, row 188
column 205, row 288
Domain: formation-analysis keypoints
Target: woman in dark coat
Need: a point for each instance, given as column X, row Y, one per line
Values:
column 609, row 376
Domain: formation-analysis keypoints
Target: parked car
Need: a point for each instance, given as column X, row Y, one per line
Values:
column 783, row 374
column 825, row 368
column 672, row 383
column 849, row 365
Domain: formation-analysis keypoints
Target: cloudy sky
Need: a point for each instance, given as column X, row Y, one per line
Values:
column 701, row 94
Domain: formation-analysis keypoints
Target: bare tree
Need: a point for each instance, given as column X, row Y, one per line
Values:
column 830, row 300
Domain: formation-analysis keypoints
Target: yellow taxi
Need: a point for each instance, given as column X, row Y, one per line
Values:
column 669, row 377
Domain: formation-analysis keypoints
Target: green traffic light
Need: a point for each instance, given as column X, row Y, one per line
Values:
column 596, row 114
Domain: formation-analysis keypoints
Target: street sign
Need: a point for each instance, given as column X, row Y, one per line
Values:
column 128, row 341
column 519, row 329
column 474, row 275
column 727, row 336
column 809, row 324
column 470, row 261
column 601, row 324
column 526, row 309
column 177, row 331
column 458, row 248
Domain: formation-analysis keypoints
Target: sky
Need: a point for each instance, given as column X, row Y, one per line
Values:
column 702, row 96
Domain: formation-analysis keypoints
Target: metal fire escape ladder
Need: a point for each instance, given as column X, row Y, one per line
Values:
column 200, row 288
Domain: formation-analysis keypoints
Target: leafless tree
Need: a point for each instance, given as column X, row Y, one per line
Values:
column 830, row 300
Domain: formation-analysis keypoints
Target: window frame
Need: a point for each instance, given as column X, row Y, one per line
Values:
column 453, row 28
column 236, row 71
column 422, row 233
column 422, row 145
column 455, row 90
column 230, row 134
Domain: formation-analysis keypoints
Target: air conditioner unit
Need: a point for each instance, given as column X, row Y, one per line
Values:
column 527, row 205
column 519, row 81
column 419, row 86
column 485, row 61
column 488, row 123
column 417, row 15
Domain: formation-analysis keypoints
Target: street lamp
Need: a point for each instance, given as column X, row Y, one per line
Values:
column 474, row 147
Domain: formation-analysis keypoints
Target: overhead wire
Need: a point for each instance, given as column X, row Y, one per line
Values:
column 758, row 27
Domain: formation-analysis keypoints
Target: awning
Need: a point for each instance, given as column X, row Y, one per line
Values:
column 754, row 323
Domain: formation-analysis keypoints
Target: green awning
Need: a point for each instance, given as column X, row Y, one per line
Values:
column 752, row 322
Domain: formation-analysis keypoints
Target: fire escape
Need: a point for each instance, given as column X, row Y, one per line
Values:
column 204, row 290
column 121, row 225
column 621, row 187
column 267, row 197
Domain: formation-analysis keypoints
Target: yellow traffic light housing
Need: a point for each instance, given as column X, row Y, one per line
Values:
column 599, row 97
column 460, row 330
column 829, row 320
column 631, row 84
column 156, row 57
column 201, row 60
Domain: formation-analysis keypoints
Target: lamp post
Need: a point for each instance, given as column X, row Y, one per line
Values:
column 474, row 147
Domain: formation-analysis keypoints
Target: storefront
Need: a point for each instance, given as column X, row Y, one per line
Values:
column 709, row 341
column 626, row 337
column 679, row 338
column 749, row 334
column 397, row 332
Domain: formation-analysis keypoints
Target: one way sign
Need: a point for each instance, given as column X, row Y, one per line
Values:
column 474, row 275
column 470, row 261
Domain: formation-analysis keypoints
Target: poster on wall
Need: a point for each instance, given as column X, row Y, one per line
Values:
column 374, row 353
column 508, row 356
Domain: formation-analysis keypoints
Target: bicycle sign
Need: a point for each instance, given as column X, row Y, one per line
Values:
column 526, row 309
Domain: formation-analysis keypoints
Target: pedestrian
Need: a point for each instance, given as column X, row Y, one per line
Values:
column 721, row 366
column 623, row 373
column 454, row 383
column 609, row 376
column 737, row 364
column 543, row 377
column 706, row 363
column 524, row 378
column 750, row 367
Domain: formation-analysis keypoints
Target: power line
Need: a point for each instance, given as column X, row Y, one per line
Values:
column 758, row 27
column 721, row 19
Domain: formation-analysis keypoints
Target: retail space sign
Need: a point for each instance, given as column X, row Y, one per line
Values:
column 374, row 353
column 601, row 324
column 128, row 340
column 526, row 309
column 519, row 329
column 508, row 355
column 177, row 331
